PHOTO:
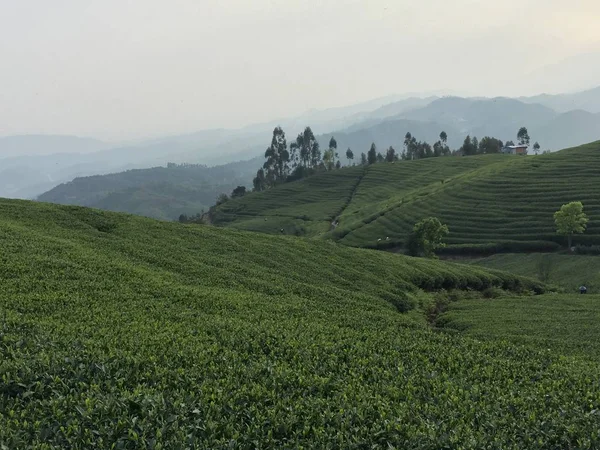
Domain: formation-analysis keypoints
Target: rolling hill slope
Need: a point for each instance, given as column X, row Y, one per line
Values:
column 121, row 331
column 160, row 192
column 489, row 202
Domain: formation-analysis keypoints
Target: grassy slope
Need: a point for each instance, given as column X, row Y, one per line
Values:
column 483, row 199
column 566, row 324
column 159, row 192
column 567, row 271
column 119, row 330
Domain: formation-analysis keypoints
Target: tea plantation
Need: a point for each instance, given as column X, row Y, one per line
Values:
column 565, row 324
column 491, row 203
column 123, row 332
column 568, row 271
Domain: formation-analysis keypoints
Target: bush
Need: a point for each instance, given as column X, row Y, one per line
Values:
column 500, row 247
column 587, row 250
column 492, row 292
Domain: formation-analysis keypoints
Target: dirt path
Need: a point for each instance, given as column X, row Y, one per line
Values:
column 336, row 221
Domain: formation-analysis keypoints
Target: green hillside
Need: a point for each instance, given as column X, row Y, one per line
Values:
column 566, row 271
column 490, row 202
column 565, row 324
column 123, row 332
column 159, row 192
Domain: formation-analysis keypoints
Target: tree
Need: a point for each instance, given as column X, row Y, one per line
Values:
column 468, row 148
column 408, row 141
column 277, row 155
column 183, row 218
column 338, row 164
column 306, row 149
column 363, row 159
column 372, row 155
column 490, row 145
column 239, row 191
column 438, row 149
column 349, row 155
column 259, row 182
column 329, row 159
column 380, row 158
column 329, row 155
column 390, row 154
column 536, row 147
column 509, row 143
column 523, row 136
column 427, row 236
column 570, row 219
column 443, row 137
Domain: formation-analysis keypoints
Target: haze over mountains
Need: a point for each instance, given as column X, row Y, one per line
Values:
column 31, row 165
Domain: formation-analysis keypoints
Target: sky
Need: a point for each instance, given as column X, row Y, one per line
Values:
column 132, row 69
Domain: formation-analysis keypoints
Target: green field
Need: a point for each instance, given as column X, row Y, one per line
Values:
column 562, row 324
column 490, row 203
column 566, row 271
column 123, row 332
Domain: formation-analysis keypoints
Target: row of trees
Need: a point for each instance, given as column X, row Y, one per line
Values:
column 303, row 157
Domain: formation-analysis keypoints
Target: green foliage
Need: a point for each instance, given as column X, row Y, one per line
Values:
column 276, row 167
column 372, row 155
column 559, row 323
column 427, row 236
column 523, row 136
column 492, row 203
column 239, row 191
column 490, row 145
column 161, row 192
column 565, row 270
column 349, row 155
column 570, row 219
column 160, row 335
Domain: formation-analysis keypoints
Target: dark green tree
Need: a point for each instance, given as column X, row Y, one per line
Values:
column 363, row 159
column 372, row 155
column 306, row 149
column 259, row 183
column 468, row 148
column 490, row 145
column 443, row 137
column 427, row 236
column 536, row 147
column 349, row 155
column 239, row 191
column 390, row 154
column 276, row 166
column 523, row 136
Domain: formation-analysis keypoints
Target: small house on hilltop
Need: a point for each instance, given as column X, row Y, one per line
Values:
column 515, row 149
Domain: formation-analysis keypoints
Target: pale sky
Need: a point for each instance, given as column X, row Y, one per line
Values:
column 127, row 69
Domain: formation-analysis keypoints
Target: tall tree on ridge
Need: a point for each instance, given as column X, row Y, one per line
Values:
column 372, row 155
column 523, row 136
column 349, row 155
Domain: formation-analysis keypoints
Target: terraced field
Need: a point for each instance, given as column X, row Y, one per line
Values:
column 564, row 324
column 123, row 332
column 511, row 200
column 305, row 207
column 490, row 203
column 566, row 271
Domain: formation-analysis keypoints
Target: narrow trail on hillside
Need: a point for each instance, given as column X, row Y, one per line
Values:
column 336, row 220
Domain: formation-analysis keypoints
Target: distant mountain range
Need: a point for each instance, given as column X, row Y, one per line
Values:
column 31, row 165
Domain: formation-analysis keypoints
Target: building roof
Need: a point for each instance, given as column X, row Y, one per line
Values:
column 517, row 146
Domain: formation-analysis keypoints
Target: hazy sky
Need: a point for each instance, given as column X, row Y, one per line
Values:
column 121, row 69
